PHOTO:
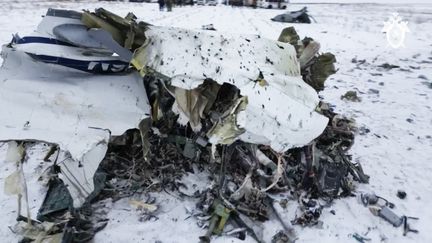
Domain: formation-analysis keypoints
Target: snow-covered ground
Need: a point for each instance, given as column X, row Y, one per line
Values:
column 396, row 107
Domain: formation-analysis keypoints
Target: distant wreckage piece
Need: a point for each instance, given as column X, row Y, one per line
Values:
column 299, row 16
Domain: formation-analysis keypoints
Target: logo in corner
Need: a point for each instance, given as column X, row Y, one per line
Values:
column 395, row 30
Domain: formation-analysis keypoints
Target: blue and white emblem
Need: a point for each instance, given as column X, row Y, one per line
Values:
column 395, row 30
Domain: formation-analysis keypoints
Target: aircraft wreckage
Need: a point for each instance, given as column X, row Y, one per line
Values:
column 93, row 86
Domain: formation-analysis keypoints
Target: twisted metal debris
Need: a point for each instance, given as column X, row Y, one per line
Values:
column 218, row 120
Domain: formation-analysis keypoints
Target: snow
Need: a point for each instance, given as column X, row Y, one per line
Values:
column 396, row 153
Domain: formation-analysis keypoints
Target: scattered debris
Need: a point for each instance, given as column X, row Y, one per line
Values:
column 373, row 91
column 363, row 130
column 358, row 62
column 139, row 205
column 208, row 27
column 360, row 238
column 384, row 210
column 280, row 237
column 390, row 216
column 401, row 194
column 315, row 67
column 407, row 227
column 428, row 84
column 311, row 211
column 421, row 76
column 388, row 66
column 376, row 74
column 300, row 16
column 351, row 96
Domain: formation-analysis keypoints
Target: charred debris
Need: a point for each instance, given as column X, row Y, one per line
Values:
column 215, row 117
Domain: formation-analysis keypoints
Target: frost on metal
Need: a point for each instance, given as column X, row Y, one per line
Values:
column 280, row 109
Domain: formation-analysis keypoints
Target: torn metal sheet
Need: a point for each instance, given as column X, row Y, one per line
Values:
column 226, row 131
column 109, row 43
column 54, row 51
column 80, row 36
column 62, row 38
column 125, row 31
column 281, row 106
column 299, row 16
column 77, row 111
column 76, row 34
column 194, row 103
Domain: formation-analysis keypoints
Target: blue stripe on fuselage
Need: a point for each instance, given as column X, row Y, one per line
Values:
column 94, row 66
column 43, row 40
